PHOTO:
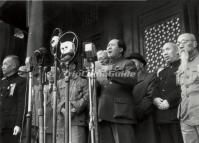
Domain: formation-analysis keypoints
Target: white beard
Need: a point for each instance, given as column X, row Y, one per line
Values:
column 184, row 56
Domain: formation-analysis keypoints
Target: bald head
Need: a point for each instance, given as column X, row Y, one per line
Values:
column 186, row 41
column 170, row 52
column 170, row 44
column 10, row 65
column 187, row 36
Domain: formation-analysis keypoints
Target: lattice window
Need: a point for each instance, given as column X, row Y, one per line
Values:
column 89, row 16
column 155, row 37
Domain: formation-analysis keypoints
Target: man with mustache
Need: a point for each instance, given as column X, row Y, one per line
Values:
column 167, row 97
column 188, row 78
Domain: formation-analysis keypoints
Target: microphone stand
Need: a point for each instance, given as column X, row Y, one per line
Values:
column 55, row 99
column 67, row 119
column 67, row 104
column 93, row 123
column 41, row 109
column 45, row 102
column 29, row 113
column 40, row 58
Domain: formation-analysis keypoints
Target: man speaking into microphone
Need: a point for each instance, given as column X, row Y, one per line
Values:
column 116, row 106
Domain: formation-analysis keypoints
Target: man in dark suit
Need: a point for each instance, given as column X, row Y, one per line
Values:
column 145, row 129
column 12, row 100
column 116, row 106
column 167, row 98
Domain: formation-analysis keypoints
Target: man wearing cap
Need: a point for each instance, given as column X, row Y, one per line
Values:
column 116, row 107
column 142, row 92
column 167, row 97
column 188, row 78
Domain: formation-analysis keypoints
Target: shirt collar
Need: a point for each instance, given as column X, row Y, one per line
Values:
column 175, row 63
column 113, row 61
column 10, row 77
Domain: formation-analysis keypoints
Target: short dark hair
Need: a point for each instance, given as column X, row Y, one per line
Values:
column 122, row 45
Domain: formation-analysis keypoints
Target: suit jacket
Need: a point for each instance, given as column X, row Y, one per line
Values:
column 167, row 88
column 145, row 130
column 116, row 103
column 79, row 101
column 12, row 90
column 49, row 108
column 143, row 96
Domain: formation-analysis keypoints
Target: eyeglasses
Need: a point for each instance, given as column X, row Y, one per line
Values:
column 184, row 42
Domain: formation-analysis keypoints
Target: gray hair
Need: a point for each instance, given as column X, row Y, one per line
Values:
column 15, row 60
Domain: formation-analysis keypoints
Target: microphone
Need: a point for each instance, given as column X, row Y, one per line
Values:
column 55, row 37
column 67, row 57
column 90, row 51
column 67, row 49
column 23, row 69
column 40, row 55
column 68, row 46
column 40, row 51
column 54, row 41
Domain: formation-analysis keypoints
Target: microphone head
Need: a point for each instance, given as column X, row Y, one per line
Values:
column 43, row 50
column 40, row 51
column 23, row 69
column 54, row 41
column 57, row 32
column 67, row 47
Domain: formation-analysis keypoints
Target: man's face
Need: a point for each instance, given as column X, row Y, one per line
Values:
column 113, row 49
column 8, row 66
column 169, row 52
column 186, row 42
column 50, row 76
column 67, row 48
